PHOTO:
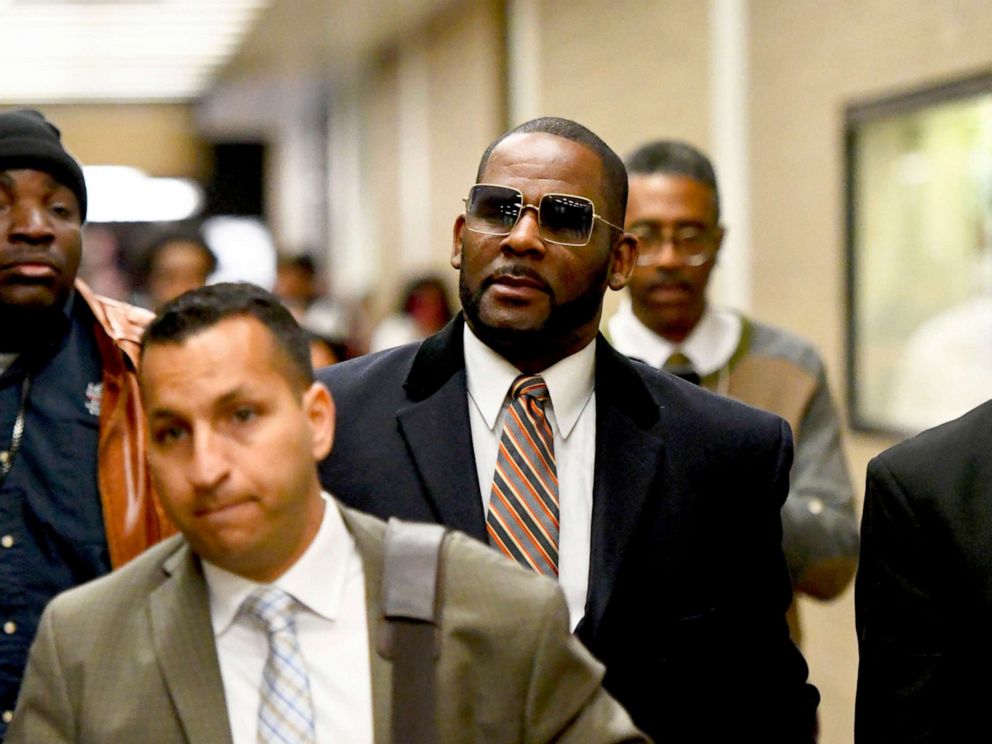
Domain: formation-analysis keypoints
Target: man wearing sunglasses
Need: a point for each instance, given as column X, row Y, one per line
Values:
column 654, row 504
column 674, row 209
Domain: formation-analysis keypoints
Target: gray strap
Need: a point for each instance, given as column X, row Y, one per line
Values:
column 409, row 582
column 411, row 602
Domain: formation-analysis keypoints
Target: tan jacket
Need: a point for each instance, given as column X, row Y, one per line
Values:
column 132, row 515
column 131, row 657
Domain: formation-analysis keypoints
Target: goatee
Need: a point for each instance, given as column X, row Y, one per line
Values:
column 559, row 329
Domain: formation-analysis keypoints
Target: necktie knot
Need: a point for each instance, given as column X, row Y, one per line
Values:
column 530, row 386
column 680, row 365
column 272, row 608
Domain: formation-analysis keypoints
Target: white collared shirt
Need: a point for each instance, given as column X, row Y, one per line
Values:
column 709, row 347
column 329, row 581
column 572, row 415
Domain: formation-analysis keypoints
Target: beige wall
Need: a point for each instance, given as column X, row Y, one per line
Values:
column 629, row 70
column 467, row 110
column 808, row 60
column 158, row 138
column 380, row 157
column 464, row 107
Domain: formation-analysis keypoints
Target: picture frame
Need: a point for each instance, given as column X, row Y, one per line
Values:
column 918, row 204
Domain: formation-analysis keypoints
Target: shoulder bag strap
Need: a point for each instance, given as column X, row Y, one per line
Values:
column 411, row 602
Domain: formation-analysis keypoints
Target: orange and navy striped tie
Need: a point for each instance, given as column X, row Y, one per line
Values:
column 523, row 505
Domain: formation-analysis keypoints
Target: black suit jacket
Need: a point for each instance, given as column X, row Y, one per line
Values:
column 923, row 595
column 687, row 583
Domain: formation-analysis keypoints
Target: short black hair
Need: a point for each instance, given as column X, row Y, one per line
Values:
column 678, row 158
column 302, row 262
column 614, row 173
column 202, row 308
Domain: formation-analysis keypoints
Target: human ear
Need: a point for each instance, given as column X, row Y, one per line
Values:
column 718, row 237
column 318, row 405
column 456, row 242
column 624, row 256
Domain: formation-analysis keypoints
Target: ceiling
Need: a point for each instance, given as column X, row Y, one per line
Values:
column 71, row 51
column 334, row 35
column 76, row 51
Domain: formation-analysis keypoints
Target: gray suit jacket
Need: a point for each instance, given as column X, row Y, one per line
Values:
column 131, row 657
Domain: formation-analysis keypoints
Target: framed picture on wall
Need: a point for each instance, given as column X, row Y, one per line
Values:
column 919, row 250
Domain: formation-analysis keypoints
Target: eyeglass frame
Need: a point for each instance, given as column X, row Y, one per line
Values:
column 537, row 208
column 710, row 236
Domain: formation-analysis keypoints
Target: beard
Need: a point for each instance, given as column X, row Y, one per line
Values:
column 564, row 321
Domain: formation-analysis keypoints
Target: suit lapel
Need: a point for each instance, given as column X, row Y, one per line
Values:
column 183, row 640
column 438, row 433
column 629, row 459
column 630, row 452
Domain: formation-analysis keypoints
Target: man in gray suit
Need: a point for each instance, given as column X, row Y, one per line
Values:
column 262, row 621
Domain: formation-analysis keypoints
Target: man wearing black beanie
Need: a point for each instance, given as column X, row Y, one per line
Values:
column 75, row 497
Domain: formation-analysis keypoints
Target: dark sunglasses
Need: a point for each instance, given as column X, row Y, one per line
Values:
column 564, row 219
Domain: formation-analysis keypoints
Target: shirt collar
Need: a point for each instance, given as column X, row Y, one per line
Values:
column 709, row 346
column 316, row 580
column 570, row 382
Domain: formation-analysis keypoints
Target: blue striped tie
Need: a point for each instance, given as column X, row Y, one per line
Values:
column 523, row 505
column 285, row 711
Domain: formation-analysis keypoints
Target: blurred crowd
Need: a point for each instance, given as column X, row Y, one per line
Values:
column 150, row 264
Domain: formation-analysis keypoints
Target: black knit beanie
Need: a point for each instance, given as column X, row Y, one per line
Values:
column 28, row 140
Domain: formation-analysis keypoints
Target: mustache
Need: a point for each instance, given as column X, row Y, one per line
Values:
column 670, row 280
column 519, row 272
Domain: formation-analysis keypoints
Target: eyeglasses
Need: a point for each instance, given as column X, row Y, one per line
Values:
column 694, row 245
column 563, row 219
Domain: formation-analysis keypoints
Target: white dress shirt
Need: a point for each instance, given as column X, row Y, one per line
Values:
column 572, row 415
column 709, row 347
column 329, row 581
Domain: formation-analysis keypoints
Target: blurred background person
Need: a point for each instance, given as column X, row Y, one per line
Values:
column 424, row 309
column 323, row 351
column 328, row 322
column 674, row 210
column 172, row 263
column 297, row 282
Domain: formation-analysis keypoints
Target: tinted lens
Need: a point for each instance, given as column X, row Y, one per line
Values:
column 565, row 219
column 492, row 210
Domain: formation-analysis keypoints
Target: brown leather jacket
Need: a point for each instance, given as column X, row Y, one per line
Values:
column 132, row 515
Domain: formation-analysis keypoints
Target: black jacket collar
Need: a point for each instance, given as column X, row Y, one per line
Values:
column 443, row 355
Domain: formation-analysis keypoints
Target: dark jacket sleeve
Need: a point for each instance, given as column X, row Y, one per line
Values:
column 902, row 622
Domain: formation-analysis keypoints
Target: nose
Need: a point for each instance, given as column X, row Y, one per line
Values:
column 209, row 464
column 525, row 237
column 30, row 223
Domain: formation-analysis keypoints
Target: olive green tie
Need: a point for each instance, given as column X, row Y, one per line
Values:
column 680, row 365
